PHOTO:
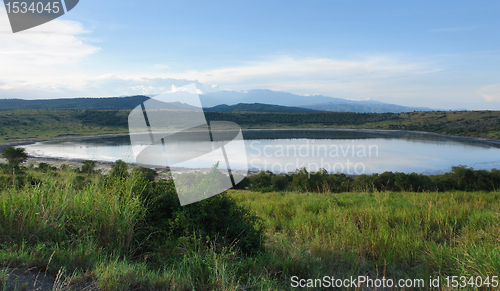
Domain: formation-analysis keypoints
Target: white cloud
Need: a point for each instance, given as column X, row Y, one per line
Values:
column 108, row 85
column 310, row 68
column 123, row 85
column 490, row 93
column 364, row 77
column 43, row 62
column 375, row 76
column 45, row 57
column 356, row 78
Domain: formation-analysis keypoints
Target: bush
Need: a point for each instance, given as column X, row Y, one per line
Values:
column 218, row 218
column 65, row 167
column 4, row 168
column 146, row 174
column 119, row 170
column 44, row 167
column 300, row 180
column 243, row 184
column 88, row 167
column 79, row 182
column 261, row 180
column 280, row 182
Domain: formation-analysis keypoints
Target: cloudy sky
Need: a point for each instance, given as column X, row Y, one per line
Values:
column 439, row 54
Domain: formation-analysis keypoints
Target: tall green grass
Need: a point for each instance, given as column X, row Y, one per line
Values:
column 106, row 231
column 53, row 212
column 95, row 228
column 401, row 235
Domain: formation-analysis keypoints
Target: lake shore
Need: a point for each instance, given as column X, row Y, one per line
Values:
column 28, row 141
column 105, row 166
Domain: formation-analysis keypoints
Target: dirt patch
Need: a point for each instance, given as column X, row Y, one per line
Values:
column 35, row 280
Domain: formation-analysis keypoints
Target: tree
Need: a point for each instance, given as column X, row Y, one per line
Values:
column 119, row 169
column 88, row 166
column 262, row 181
column 145, row 173
column 300, row 181
column 280, row 182
column 14, row 157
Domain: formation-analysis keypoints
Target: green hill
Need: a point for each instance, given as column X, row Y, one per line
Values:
column 113, row 103
column 19, row 125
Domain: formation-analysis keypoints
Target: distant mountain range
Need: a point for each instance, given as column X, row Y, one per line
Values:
column 222, row 101
column 317, row 102
column 364, row 106
column 257, row 107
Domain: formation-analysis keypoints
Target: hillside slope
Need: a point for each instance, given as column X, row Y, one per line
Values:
column 46, row 124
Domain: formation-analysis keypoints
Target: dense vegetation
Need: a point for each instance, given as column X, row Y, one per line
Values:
column 460, row 123
column 463, row 123
column 116, row 103
column 299, row 119
column 47, row 124
column 121, row 230
column 396, row 235
column 125, row 230
column 460, row 178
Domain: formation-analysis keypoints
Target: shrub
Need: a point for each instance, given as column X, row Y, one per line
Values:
column 146, row 174
column 300, row 180
column 119, row 170
column 65, row 167
column 243, row 184
column 280, row 182
column 218, row 218
column 88, row 167
column 4, row 168
column 44, row 167
column 261, row 180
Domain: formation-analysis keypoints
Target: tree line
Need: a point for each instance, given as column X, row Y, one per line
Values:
column 460, row 178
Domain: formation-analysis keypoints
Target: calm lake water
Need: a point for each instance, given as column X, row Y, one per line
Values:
column 347, row 151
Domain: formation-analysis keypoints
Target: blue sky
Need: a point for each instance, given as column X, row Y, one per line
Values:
column 439, row 54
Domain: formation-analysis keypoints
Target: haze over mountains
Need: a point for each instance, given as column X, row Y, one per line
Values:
column 317, row 102
column 253, row 100
column 257, row 107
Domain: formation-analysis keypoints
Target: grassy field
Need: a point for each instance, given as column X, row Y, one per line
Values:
column 20, row 125
column 92, row 231
column 397, row 235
